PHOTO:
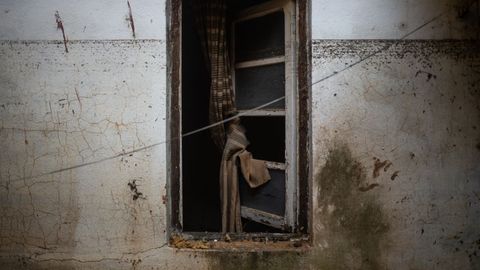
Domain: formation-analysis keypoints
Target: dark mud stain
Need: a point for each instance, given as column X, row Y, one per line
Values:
column 369, row 187
column 356, row 228
column 255, row 260
column 428, row 74
column 378, row 165
column 387, row 166
column 398, row 49
column 394, row 175
column 134, row 189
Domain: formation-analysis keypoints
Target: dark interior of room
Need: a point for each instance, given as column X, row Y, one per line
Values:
column 200, row 157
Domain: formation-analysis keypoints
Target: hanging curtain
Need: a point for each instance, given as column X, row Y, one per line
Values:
column 210, row 18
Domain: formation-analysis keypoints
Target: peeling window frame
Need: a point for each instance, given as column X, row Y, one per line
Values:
column 300, row 214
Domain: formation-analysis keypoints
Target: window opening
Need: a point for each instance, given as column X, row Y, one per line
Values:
column 262, row 48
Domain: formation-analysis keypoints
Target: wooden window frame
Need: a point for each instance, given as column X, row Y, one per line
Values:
column 287, row 222
column 302, row 174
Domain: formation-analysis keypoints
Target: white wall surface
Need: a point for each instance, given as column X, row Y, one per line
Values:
column 347, row 19
column 415, row 104
column 82, row 19
column 393, row 19
column 59, row 110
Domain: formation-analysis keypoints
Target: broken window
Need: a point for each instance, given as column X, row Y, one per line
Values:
column 262, row 46
column 262, row 42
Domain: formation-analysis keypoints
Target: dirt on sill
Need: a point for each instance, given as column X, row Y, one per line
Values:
column 177, row 241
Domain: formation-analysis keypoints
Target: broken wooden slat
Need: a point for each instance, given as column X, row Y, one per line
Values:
column 273, row 112
column 263, row 217
column 275, row 165
column 261, row 62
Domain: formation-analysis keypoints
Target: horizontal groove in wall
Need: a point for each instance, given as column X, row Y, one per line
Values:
column 80, row 41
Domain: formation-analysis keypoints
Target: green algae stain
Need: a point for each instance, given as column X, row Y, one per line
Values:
column 255, row 260
column 355, row 224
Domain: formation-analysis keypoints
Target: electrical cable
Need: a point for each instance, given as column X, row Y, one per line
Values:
column 334, row 73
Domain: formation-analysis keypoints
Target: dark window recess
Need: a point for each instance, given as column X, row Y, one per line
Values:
column 267, row 142
column 258, row 85
column 200, row 157
column 266, row 136
column 196, row 160
column 235, row 5
column 252, row 226
column 261, row 37
column 269, row 197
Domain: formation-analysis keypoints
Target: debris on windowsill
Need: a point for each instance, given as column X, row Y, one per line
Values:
column 179, row 242
column 227, row 243
column 227, row 238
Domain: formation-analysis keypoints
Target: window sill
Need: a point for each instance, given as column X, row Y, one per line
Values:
column 250, row 242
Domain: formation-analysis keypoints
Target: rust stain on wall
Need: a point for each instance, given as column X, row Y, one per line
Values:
column 59, row 21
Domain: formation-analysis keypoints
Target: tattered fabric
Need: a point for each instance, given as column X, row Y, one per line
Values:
column 253, row 171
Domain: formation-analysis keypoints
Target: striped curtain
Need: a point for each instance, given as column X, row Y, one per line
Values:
column 210, row 18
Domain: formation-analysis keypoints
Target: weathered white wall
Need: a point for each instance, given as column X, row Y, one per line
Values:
column 415, row 104
column 393, row 19
column 83, row 19
column 59, row 110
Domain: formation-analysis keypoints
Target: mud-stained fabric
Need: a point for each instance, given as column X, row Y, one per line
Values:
column 254, row 172
column 210, row 18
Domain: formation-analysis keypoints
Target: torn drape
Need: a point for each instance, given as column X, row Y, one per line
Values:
column 210, row 18
column 254, row 172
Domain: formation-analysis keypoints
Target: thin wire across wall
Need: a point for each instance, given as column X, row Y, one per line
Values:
column 334, row 73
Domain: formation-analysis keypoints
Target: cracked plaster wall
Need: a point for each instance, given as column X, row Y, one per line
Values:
column 395, row 139
column 402, row 131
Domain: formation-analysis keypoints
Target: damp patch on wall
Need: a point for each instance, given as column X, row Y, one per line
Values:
column 355, row 225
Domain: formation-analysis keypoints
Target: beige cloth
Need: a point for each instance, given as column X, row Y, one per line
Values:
column 254, row 171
